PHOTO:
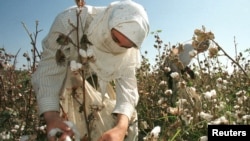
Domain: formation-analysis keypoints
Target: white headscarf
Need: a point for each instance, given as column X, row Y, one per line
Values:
column 184, row 56
column 113, row 61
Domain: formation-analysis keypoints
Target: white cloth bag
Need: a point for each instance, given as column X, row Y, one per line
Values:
column 98, row 110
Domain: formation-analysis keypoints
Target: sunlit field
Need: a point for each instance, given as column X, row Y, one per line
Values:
column 216, row 96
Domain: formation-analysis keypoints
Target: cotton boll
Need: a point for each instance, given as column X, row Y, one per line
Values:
column 16, row 126
column 205, row 116
column 71, row 125
column 74, row 66
column 162, row 83
column 221, row 106
column 210, row 95
column 83, row 53
column 219, row 80
column 174, row 110
column 220, row 120
column 90, row 52
column 213, row 51
column 8, row 136
column 174, row 75
column 239, row 101
column 181, row 101
column 240, row 93
column 167, row 69
column 168, row 92
column 246, row 117
column 244, row 98
column 160, row 101
column 203, row 138
column 155, row 132
column 236, row 107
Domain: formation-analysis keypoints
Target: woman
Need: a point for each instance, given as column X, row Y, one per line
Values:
column 115, row 34
column 178, row 61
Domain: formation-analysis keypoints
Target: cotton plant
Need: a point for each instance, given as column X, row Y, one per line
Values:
column 5, row 60
column 78, row 64
column 213, row 51
column 201, row 39
column 216, row 109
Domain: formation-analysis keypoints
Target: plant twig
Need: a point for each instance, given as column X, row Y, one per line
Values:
column 33, row 43
column 236, row 63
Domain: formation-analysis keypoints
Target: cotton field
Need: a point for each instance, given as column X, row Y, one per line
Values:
column 214, row 97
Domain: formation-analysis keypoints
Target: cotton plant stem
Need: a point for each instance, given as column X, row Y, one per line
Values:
column 35, row 52
column 33, row 42
column 220, row 48
column 83, row 78
column 2, row 87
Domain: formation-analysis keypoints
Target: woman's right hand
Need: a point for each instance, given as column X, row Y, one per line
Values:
column 53, row 121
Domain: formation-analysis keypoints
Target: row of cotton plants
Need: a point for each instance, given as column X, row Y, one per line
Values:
column 215, row 97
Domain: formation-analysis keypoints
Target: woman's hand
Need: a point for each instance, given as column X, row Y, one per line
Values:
column 118, row 132
column 53, row 121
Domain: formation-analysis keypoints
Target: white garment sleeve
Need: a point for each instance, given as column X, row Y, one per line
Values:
column 49, row 77
column 126, row 96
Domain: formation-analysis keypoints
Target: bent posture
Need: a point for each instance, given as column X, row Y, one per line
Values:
column 114, row 34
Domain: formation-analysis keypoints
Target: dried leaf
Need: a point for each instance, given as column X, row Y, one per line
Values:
column 84, row 42
column 63, row 40
column 60, row 57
